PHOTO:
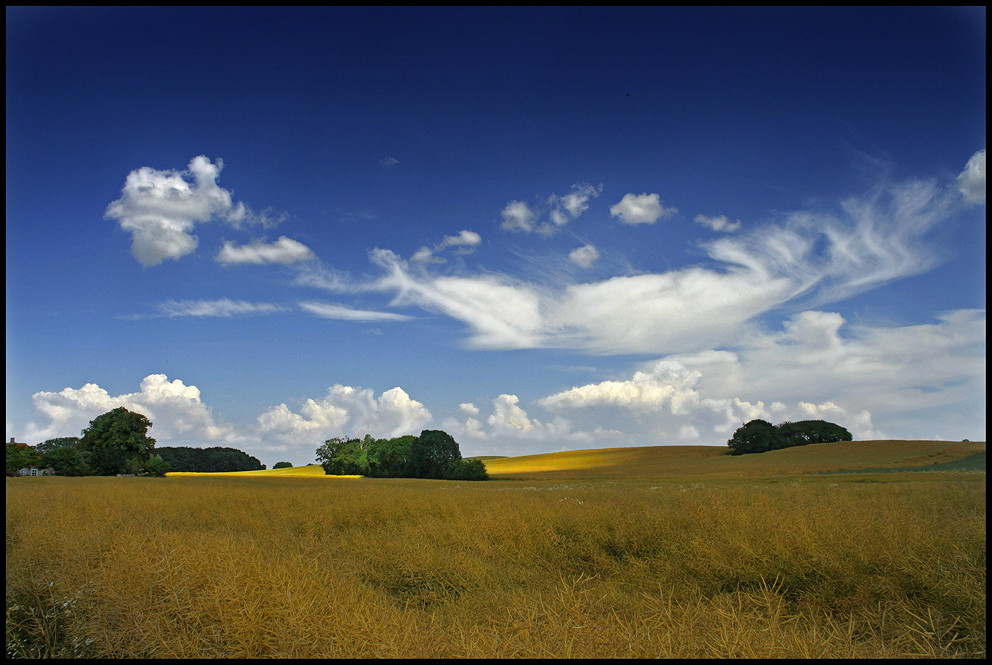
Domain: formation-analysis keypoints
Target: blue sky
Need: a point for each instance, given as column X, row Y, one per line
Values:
column 536, row 229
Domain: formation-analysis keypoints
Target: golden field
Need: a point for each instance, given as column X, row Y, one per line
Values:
column 676, row 552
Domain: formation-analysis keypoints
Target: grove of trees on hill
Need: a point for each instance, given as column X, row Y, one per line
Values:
column 758, row 436
column 433, row 454
column 117, row 442
column 205, row 460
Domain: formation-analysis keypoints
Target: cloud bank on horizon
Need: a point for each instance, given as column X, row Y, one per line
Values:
column 714, row 367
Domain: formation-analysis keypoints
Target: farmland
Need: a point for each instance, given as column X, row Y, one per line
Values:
column 850, row 549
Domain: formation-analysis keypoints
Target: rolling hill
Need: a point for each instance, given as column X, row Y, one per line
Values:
column 716, row 461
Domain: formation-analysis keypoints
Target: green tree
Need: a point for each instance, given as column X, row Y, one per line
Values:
column 432, row 454
column 282, row 465
column 390, row 458
column 212, row 459
column 756, row 436
column 342, row 457
column 117, row 442
column 157, row 467
column 759, row 436
column 20, row 455
column 467, row 469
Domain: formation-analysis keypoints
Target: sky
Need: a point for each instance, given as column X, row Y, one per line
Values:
column 537, row 229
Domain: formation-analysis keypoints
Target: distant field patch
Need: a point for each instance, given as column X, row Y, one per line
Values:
column 310, row 471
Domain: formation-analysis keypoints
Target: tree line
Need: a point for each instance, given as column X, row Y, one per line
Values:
column 117, row 442
column 758, row 436
column 433, row 454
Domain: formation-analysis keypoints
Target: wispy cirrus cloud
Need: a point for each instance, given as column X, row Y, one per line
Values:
column 464, row 243
column 971, row 181
column 222, row 307
column 807, row 258
column 342, row 313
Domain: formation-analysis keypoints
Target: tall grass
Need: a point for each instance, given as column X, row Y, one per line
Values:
column 298, row 567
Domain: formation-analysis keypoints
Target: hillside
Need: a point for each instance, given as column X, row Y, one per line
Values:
column 716, row 461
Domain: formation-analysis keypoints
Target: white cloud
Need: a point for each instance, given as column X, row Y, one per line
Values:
column 284, row 251
column 720, row 223
column 344, row 411
column 340, row 312
column 509, row 426
column 463, row 239
column 517, row 216
column 584, row 256
column 465, row 242
column 500, row 314
column 160, row 208
column 813, row 258
column 641, row 209
column 679, row 310
column 971, row 181
column 875, row 239
column 389, row 162
column 175, row 410
column 216, row 308
column 571, row 205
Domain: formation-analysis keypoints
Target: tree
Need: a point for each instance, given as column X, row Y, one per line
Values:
column 64, row 456
column 157, row 467
column 390, row 458
column 432, row 454
column 20, row 455
column 757, row 436
column 282, row 465
column 342, row 457
column 467, row 469
column 211, row 459
column 117, row 442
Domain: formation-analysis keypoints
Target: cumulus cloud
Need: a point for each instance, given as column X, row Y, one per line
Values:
column 560, row 209
column 641, row 209
column 670, row 404
column 517, row 216
column 340, row 312
column 175, row 409
column 720, row 223
column 344, row 411
column 971, row 181
column 161, row 208
column 509, row 425
column 284, row 251
column 571, row 205
column 584, row 256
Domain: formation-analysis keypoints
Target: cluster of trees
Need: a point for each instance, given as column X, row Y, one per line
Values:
column 118, row 442
column 216, row 458
column 115, row 442
column 758, row 436
column 433, row 454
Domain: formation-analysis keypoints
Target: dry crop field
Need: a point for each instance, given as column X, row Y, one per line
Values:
column 677, row 552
